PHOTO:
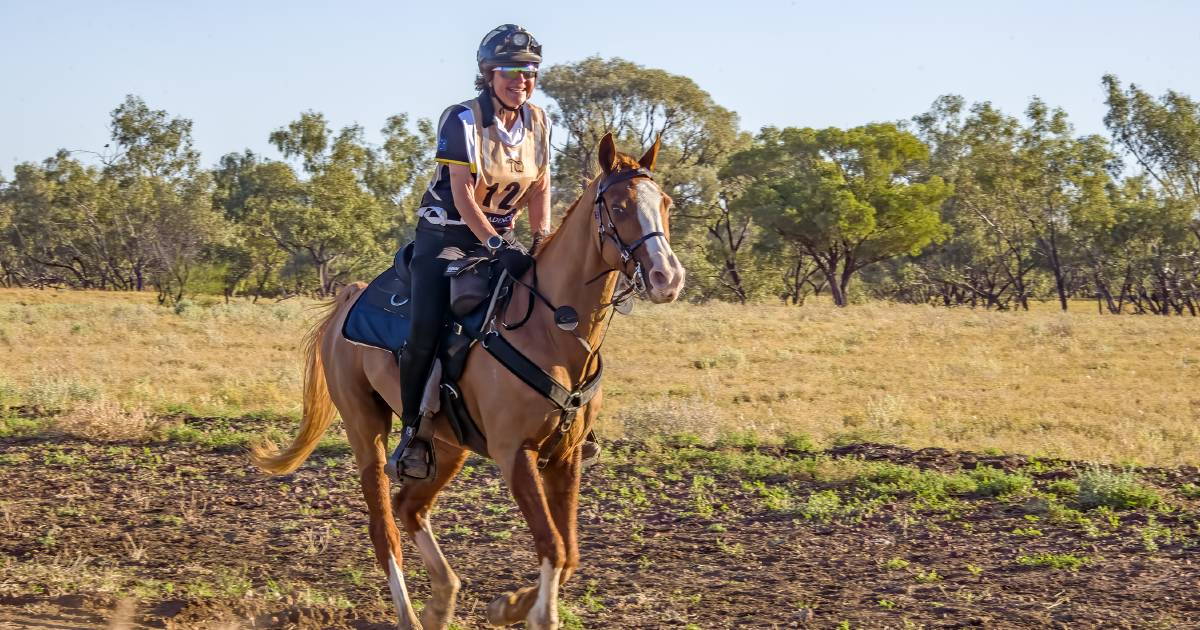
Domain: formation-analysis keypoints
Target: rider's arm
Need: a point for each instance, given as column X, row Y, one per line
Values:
column 539, row 205
column 462, row 186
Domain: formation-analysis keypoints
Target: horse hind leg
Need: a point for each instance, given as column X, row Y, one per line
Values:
column 414, row 502
column 367, row 421
column 537, row 605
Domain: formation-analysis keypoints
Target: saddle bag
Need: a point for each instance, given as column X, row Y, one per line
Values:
column 470, row 283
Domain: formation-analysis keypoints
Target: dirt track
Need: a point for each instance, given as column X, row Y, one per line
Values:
column 170, row 535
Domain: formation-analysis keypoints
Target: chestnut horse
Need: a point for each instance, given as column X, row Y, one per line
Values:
column 623, row 230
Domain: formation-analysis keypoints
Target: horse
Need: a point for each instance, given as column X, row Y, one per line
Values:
column 623, row 232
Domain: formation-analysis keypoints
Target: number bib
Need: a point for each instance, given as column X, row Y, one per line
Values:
column 506, row 173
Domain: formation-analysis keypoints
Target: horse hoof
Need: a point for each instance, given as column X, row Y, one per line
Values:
column 431, row 620
column 535, row 623
column 412, row 624
column 500, row 611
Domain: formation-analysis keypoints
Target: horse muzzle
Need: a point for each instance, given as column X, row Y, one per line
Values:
column 664, row 278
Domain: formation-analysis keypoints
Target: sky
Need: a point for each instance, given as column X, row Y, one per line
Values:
column 241, row 69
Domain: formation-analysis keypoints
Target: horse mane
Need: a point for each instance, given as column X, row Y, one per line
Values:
column 623, row 162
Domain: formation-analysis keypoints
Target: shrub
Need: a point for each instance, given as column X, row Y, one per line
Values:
column 822, row 506
column 1116, row 490
column 799, row 442
column 993, row 482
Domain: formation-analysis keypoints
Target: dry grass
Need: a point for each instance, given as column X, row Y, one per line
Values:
column 1077, row 385
column 105, row 419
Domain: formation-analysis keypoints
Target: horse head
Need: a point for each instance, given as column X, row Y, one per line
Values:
column 632, row 218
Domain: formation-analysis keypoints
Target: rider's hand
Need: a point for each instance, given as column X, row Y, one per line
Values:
column 536, row 244
column 515, row 260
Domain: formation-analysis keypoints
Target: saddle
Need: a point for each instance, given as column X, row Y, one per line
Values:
column 381, row 318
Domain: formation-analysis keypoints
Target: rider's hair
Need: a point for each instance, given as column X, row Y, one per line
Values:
column 480, row 83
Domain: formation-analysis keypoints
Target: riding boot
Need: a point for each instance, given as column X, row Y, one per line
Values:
column 413, row 456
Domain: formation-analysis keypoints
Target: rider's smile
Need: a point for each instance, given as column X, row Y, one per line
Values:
column 512, row 92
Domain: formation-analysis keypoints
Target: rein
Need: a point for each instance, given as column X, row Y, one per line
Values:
column 567, row 319
column 636, row 279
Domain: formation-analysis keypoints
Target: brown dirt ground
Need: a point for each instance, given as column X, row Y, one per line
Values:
column 173, row 535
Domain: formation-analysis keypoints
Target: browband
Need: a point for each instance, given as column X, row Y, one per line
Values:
column 619, row 177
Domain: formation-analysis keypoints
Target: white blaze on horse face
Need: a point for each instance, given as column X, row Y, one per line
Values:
column 665, row 275
column 546, row 605
column 398, row 589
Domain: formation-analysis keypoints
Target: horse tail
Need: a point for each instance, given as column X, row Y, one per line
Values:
column 319, row 411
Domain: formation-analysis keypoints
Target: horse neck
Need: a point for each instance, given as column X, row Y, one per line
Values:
column 569, row 260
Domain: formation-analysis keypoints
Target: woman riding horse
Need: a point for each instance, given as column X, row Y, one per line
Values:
column 618, row 227
column 493, row 155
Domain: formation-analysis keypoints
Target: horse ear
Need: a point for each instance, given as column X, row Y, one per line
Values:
column 608, row 154
column 647, row 161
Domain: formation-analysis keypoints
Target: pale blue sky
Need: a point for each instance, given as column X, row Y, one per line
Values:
column 241, row 69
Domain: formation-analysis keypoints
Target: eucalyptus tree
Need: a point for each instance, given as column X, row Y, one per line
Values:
column 989, row 254
column 1067, row 178
column 1022, row 188
column 846, row 198
column 162, row 217
column 1162, row 135
column 343, row 218
column 248, row 189
column 596, row 96
column 58, row 228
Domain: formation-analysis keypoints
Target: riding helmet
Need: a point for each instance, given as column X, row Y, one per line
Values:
column 507, row 44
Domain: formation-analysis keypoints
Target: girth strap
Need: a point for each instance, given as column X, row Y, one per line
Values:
column 568, row 402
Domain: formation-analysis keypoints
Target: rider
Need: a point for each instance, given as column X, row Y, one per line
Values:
column 493, row 159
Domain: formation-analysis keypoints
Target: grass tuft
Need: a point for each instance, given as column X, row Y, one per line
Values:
column 1058, row 561
column 1102, row 487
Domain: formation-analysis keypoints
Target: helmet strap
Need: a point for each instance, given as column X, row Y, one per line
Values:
column 500, row 103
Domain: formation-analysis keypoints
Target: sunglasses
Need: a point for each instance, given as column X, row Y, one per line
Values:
column 518, row 72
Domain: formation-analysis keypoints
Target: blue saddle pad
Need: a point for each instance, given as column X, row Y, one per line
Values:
column 380, row 316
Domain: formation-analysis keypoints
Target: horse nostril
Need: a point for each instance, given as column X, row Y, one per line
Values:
column 659, row 278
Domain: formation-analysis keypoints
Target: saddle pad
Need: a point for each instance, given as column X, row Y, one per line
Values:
column 380, row 316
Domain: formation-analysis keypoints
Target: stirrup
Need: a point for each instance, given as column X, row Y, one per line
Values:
column 412, row 459
column 591, row 452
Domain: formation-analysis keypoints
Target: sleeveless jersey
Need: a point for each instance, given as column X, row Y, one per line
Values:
column 504, row 168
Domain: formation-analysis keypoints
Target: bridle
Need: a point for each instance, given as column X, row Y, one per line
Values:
column 606, row 229
column 636, row 278
column 566, row 318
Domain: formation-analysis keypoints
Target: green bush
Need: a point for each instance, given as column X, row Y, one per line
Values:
column 1117, row 490
column 799, row 442
column 993, row 482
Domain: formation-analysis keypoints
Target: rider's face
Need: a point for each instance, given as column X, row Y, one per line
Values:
column 513, row 92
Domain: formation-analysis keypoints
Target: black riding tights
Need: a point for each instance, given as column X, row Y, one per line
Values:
column 430, row 297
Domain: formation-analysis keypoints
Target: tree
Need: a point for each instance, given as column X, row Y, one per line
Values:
column 162, row 208
column 247, row 189
column 847, row 198
column 1162, row 135
column 637, row 104
column 1021, row 191
column 1065, row 178
column 339, row 222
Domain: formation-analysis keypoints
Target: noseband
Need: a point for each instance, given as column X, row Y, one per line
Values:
column 610, row 230
column 636, row 279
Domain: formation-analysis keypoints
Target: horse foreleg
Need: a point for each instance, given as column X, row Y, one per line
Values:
column 561, row 479
column 537, row 605
column 414, row 502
